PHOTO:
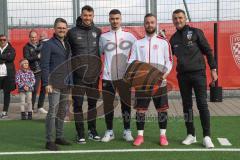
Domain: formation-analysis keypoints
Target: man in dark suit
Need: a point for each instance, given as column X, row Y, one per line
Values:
column 56, row 68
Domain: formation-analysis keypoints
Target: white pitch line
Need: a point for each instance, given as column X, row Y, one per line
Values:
column 122, row 150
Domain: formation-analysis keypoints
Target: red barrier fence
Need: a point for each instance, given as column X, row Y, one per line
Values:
column 228, row 48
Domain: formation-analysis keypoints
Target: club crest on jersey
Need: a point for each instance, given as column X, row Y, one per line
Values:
column 235, row 47
column 189, row 35
column 155, row 47
column 175, row 46
column 94, row 34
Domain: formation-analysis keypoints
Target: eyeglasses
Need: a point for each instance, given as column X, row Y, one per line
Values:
column 62, row 28
column 3, row 40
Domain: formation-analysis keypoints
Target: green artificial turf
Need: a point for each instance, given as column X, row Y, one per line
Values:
column 30, row 136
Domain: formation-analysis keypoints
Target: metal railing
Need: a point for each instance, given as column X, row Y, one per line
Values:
column 42, row 13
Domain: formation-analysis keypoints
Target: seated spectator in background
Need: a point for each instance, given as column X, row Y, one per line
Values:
column 25, row 81
column 7, row 72
column 32, row 52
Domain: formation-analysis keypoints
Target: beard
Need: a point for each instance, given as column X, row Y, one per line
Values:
column 150, row 31
column 115, row 26
column 61, row 35
column 87, row 23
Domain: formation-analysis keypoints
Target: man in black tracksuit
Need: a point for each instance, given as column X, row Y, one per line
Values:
column 189, row 45
column 86, row 65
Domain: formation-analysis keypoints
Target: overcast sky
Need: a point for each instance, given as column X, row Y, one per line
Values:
column 43, row 12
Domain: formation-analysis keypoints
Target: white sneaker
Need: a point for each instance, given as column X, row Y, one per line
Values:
column 81, row 141
column 207, row 142
column 189, row 140
column 4, row 115
column 42, row 110
column 127, row 135
column 109, row 135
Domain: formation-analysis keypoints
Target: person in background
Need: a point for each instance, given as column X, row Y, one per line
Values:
column 32, row 52
column 7, row 72
column 25, row 81
column 43, row 37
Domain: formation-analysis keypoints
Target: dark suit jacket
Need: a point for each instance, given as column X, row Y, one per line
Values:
column 56, row 63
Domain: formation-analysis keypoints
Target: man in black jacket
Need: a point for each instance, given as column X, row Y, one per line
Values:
column 189, row 45
column 7, row 72
column 86, row 65
column 32, row 52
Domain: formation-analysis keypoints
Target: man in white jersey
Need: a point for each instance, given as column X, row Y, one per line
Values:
column 156, row 51
column 115, row 46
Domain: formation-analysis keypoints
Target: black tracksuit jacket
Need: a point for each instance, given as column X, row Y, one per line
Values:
column 84, row 42
column 189, row 45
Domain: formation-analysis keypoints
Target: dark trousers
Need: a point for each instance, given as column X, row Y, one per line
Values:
column 38, row 77
column 109, row 91
column 6, row 93
column 196, row 81
column 78, row 92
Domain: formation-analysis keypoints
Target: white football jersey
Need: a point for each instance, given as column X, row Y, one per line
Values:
column 116, row 47
column 154, row 50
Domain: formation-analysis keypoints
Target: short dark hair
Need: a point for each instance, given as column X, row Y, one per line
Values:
column 88, row 8
column 149, row 15
column 115, row 11
column 3, row 35
column 179, row 11
column 59, row 20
